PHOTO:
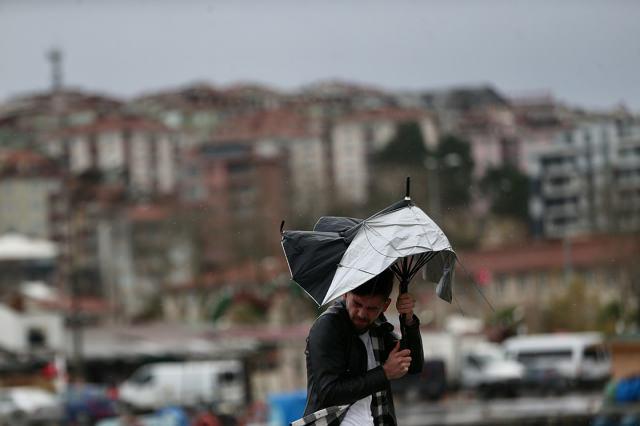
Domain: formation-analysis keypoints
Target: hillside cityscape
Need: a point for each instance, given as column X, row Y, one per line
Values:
column 149, row 227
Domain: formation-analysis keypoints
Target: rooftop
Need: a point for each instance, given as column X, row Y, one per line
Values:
column 550, row 255
column 276, row 123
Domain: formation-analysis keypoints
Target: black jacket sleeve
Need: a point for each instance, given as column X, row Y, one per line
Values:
column 329, row 366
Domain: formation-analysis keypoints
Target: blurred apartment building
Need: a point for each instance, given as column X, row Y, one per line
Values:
column 137, row 153
column 357, row 137
column 197, row 110
column 535, row 275
column 297, row 140
column 332, row 99
column 238, row 191
column 483, row 117
column 29, row 184
column 112, row 162
column 70, row 164
column 588, row 179
column 26, row 121
column 172, row 187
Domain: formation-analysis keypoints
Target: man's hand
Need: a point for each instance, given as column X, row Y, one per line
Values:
column 398, row 362
column 405, row 304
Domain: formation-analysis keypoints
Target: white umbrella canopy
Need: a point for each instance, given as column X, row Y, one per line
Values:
column 342, row 253
column 387, row 237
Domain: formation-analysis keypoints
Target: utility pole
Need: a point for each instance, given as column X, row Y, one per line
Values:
column 55, row 58
column 74, row 274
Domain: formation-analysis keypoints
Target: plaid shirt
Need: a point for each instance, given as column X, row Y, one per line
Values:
column 380, row 408
column 331, row 416
column 380, row 401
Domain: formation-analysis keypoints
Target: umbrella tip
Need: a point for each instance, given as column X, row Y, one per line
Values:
column 281, row 227
column 408, row 186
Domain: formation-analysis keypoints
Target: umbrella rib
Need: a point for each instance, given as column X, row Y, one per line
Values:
column 356, row 269
column 422, row 260
column 476, row 286
column 419, row 263
column 406, row 265
column 396, row 271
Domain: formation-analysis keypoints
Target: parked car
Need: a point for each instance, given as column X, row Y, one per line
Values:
column 29, row 406
column 88, row 403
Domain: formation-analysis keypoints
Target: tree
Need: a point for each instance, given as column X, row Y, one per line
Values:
column 406, row 148
column 573, row 309
column 402, row 156
column 454, row 165
column 508, row 190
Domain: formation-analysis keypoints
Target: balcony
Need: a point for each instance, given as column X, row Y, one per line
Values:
column 562, row 169
column 571, row 188
column 562, row 210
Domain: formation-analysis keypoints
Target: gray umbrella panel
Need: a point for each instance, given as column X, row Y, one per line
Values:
column 312, row 258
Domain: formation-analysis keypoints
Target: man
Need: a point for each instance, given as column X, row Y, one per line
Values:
column 352, row 355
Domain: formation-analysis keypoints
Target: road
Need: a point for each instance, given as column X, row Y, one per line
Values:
column 461, row 410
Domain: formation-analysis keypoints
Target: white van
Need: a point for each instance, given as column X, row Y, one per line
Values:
column 455, row 360
column 188, row 383
column 486, row 368
column 570, row 358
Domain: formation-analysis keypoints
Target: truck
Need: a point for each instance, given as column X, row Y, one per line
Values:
column 188, row 383
column 459, row 361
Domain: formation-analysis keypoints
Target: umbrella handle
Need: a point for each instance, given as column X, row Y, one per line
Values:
column 404, row 288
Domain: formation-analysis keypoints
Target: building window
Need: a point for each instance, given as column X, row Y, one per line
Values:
column 568, row 137
column 36, row 338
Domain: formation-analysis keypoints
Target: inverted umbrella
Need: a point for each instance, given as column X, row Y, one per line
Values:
column 342, row 253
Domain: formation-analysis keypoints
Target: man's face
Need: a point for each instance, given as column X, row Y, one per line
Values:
column 363, row 310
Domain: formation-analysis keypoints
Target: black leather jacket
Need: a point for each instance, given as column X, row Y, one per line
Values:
column 337, row 360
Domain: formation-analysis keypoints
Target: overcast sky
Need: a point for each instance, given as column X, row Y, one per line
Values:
column 585, row 52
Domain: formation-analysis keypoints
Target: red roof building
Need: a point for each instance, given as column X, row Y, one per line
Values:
column 531, row 275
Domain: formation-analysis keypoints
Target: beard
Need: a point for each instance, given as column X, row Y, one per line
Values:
column 362, row 325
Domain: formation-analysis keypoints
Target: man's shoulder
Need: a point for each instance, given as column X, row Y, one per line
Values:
column 332, row 319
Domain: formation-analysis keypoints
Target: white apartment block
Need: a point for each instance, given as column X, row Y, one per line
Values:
column 308, row 168
column 588, row 180
column 307, row 171
column 350, row 163
column 25, row 205
column 142, row 154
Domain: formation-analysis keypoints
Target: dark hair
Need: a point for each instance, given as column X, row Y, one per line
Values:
column 380, row 285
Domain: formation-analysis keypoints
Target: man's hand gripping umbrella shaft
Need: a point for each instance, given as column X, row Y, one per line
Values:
column 399, row 359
